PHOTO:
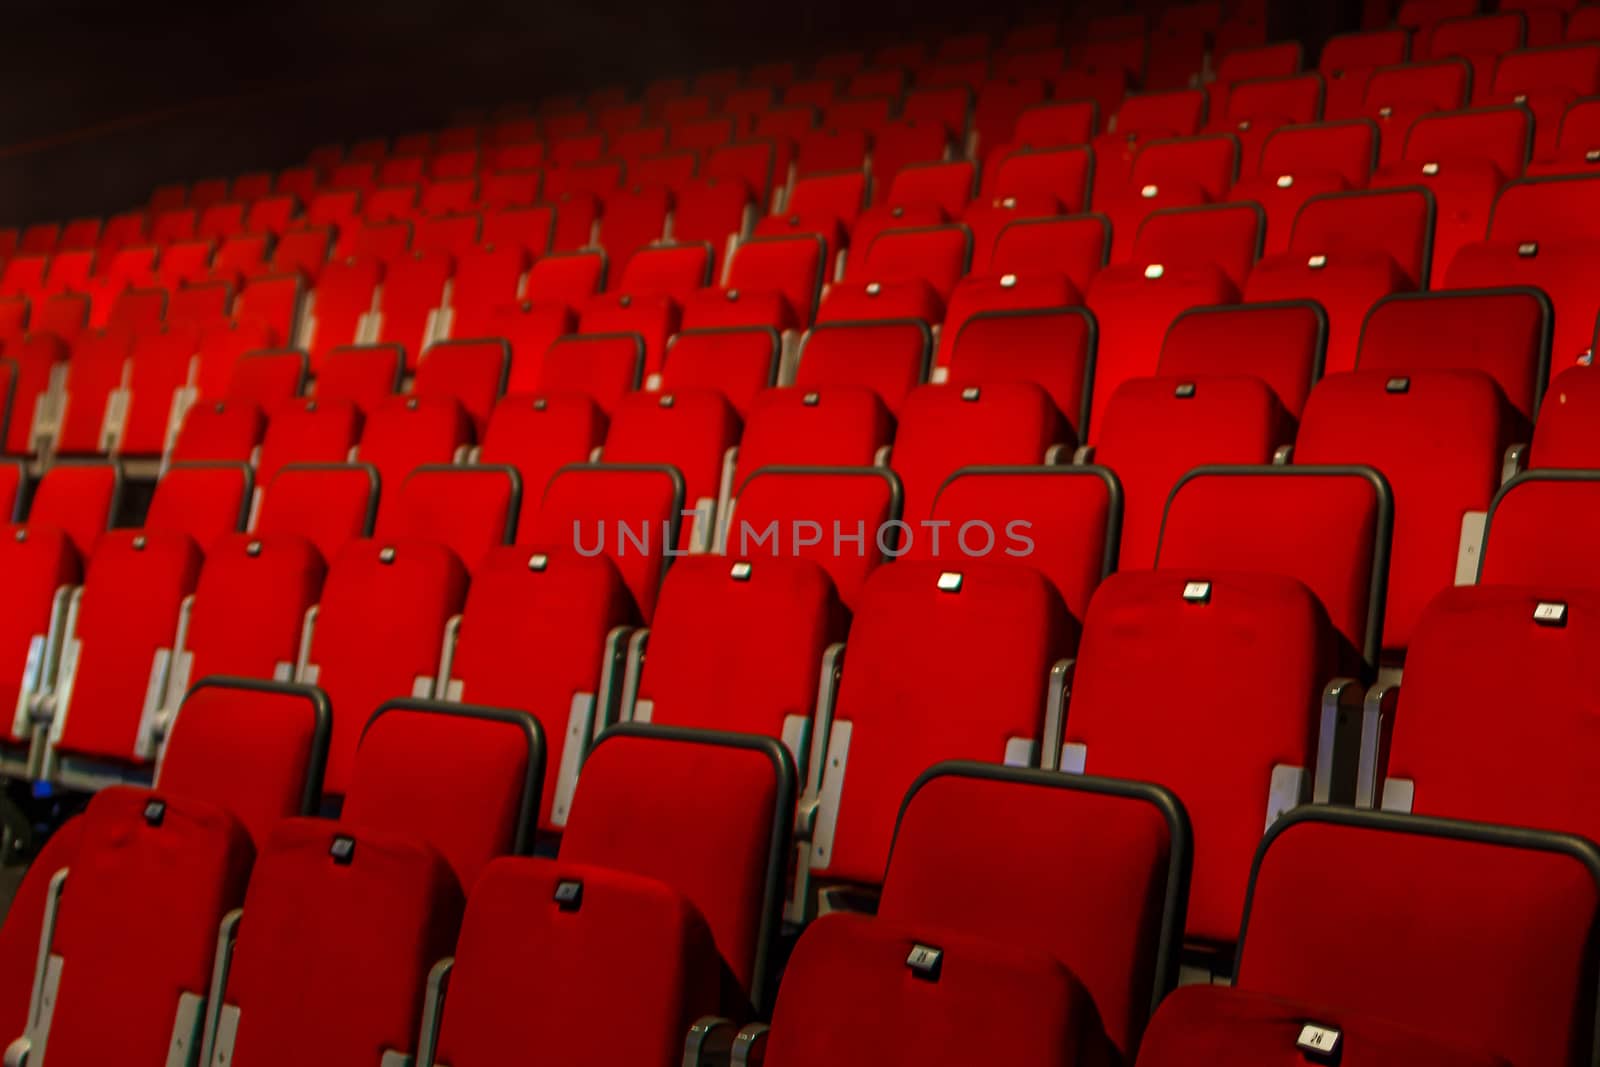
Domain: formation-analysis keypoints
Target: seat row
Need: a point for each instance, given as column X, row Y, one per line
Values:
column 208, row 922
column 1311, row 600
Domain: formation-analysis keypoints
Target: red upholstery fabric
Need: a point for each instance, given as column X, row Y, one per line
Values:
column 98, row 363
column 1059, row 520
column 1439, row 444
column 1410, row 896
column 330, row 506
column 1284, row 349
column 726, row 800
column 1074, row 247
column 1393, row 221
column 1228, row 235
column 206, row 502
column 1134, row 307
column 851, row 999
column 380, row 627
column 250, row 603
column 969, row 856
column 567, row 607
column 19, row 936
column 606, row 367
column 138, row 923
column 36, row 560
column 132, row 591
column 1540, row 532
column 1475, row 649
column 692, row 430
column 248, row 751
column 739, row 654
column 777, row 507
column 921, row 659
column 1157, row 429
column 453, row 781
column 363, row 375
column 538, row 436
column 833, row 426
column 220, row 431
column 468, row 509
column 1052, row 347
column 405, row 432
column 413, row 287
column 944, row 428
column 1346, row 285
column 1209, row 1024
column 631, row 936
column 1504, row 334
column 738, row 362
column 35, row 355
column 621, row 513
column 473, row 373
column 332, row 959
column 1159, row 676
column 890, row 357
column 1321, row 527
column 324, row 430
column 1563, row 436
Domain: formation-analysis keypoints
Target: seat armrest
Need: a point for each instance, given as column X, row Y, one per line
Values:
column 709, row 1042
column 1377, row 728
column 750, row 1046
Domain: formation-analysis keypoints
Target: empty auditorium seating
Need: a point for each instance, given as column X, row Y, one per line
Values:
column 994, row 503
column 709, row 607
column 770, row 281
column 1121, row 701
column 310, row 911
column 739, row 362
column 628, row 513
column 154, row 875
column 1400, row 987
column 1439, row 438
column 896, row 713
column 1119, row 932
column 943, row 428
column 1539, row 235
column 1133, row 306
column 1503, row 332
column 1231, row 518
column 394, row 596
column 867, row 979
column 1347, row 251
column 1463, row 158
column 468, row 508
column 1052, row 347
column 414, row 762
column 1288, row 342
column 695, row 432
column 1156, row 429
column 268, row 771
column 328, row 504
column 1298, row 162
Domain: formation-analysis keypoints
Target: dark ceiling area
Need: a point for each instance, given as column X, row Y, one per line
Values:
column 109, row 99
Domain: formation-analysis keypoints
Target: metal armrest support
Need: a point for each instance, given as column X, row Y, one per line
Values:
column 1337, row 739
column 709, row 1042
column 433, row 1010
column 1514, row 463
column 1377, row 727
column 750, row 1047
column 1055, row 712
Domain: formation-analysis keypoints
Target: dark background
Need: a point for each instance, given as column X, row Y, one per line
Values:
column 106, row 100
